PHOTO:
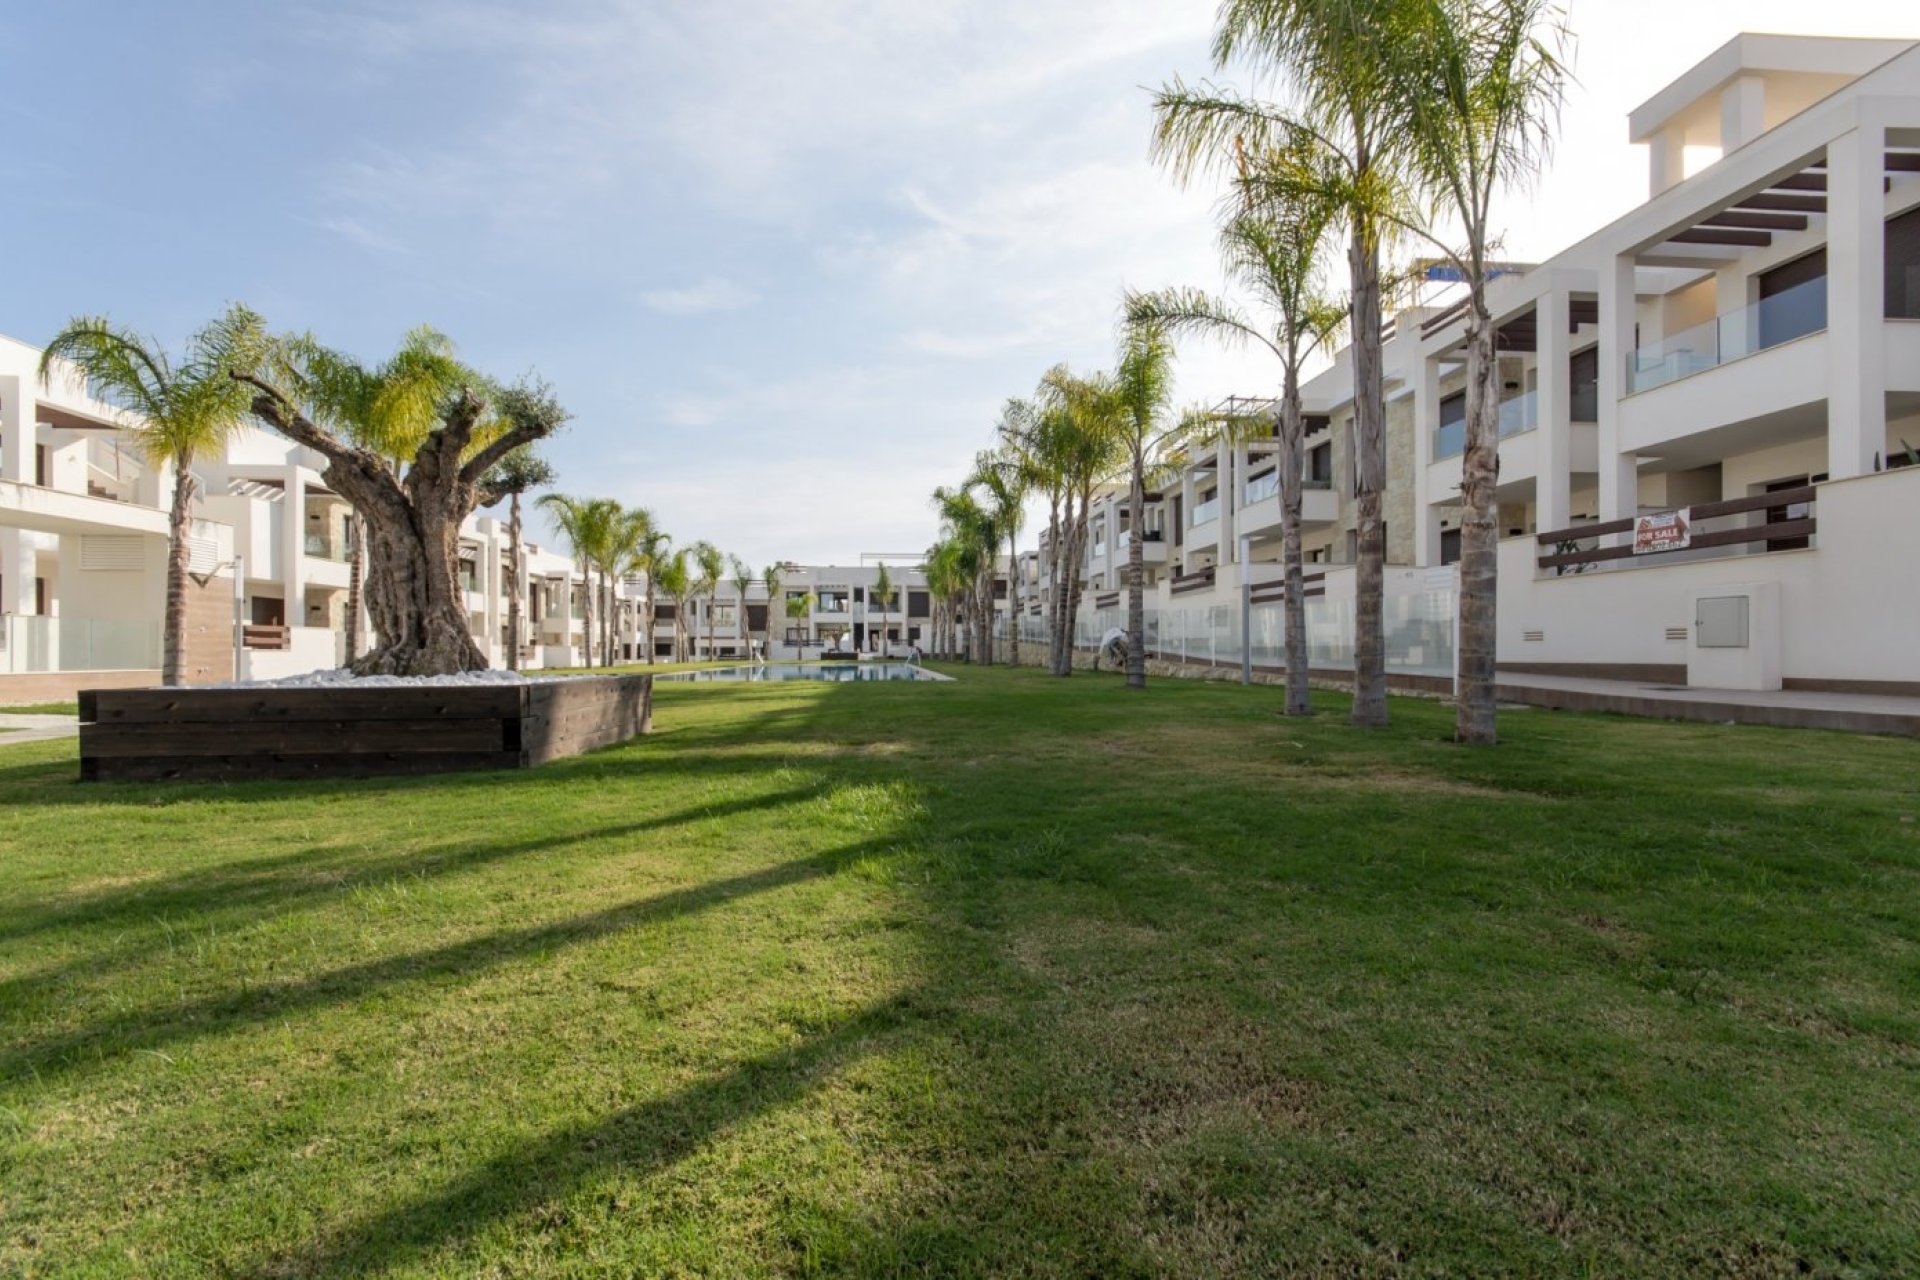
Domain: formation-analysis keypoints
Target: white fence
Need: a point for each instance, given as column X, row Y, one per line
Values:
column 1419, row 632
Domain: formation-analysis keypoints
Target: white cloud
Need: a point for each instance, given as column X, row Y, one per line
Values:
column 711, row 294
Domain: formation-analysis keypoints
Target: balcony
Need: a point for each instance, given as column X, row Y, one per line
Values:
column 1263, row 487
column 1520, row 414
column 1204, row 513
column 1790, row 314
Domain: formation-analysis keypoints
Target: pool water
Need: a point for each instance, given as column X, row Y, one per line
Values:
column 809, row 671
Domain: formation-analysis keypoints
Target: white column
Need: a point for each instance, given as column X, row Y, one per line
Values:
column 293, row 518
column 1553, row 402
column 1426, row 417
column 16, row 430
column 1619, row 471
column 1666, row 162
column 1743, row 112
column 1226, row 459
column 1856, row 308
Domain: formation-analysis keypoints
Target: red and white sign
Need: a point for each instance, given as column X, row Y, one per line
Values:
column 1663, row 531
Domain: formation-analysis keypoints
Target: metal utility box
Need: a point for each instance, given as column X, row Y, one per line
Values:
column 1720, row 622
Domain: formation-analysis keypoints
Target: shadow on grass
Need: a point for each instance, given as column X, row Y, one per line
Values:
column 152, row 1028
column 636, row 1141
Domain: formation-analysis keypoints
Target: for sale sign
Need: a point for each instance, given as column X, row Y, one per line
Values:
column 1663, row 531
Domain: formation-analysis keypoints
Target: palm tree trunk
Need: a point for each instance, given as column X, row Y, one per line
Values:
column 1479, row 532
column 1136, row 578
column 173, row 639
column 586, row 618
column 513, row 582
column 1053, row 580
column 1370, row 467
column 1292, row 432
column 1013, row 599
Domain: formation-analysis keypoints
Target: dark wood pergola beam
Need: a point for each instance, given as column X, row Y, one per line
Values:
column 1757, row 221
column 1726, row 236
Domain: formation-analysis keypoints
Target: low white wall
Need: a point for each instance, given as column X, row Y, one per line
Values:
column 1847, row 607
column 310, row 649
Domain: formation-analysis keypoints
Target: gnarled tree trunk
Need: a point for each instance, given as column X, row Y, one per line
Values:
column 413, row 592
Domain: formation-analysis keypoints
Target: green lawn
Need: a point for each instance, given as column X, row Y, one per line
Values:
column 1004, row 976
column 43, row 709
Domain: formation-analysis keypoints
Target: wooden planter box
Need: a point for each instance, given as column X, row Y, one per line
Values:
column 129, row 735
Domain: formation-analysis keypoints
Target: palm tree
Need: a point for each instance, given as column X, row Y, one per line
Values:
column 1479, row 85
column 798, row 607
column 1276, row 257
column 883, row 593
column 519, row 471
column 1340, row 137
column 630, row 539
column 742, row 578
column 1027, row 473
column 946, row 584
column 1001, row 475
column 589, row 526
column 1143, row 386
column 176, row 411
column 648, row 552
column 710, row 568
column 671, row 574
column 772, row 579
column 1079, row 420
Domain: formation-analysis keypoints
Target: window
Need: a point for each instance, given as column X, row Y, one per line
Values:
column 1583, row 378
column 1320, row 464
column 1903, row 266
column 919, row 604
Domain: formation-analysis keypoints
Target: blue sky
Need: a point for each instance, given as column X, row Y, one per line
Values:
column 782, row 260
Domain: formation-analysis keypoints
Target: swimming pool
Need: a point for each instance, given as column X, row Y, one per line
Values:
column 809, row 671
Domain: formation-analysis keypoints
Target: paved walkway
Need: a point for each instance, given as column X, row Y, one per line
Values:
column 15, row 728
column 1792, row 708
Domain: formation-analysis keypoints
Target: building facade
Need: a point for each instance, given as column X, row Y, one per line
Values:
column 1709, row 423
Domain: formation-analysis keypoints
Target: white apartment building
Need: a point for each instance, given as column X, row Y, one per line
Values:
column 1711, row 416
column 819, row 609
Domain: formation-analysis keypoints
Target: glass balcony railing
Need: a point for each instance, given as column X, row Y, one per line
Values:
column 1205, row 512
column 1520, row 414
column 1794, row 313
column 1262, row 488
column 326, row 548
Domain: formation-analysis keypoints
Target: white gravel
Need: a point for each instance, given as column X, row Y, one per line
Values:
column 340, row 678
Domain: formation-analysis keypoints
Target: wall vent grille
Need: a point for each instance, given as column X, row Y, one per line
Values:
column 1533, row 635
column 1676, row 633
column 110, row 553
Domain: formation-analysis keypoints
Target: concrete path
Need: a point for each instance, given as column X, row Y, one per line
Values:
column 35, row 728
column 1789, row 708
